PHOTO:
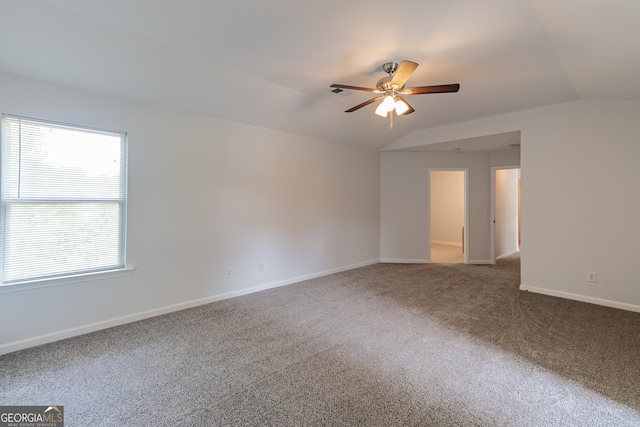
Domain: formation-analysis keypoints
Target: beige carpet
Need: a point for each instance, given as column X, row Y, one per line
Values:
column 383, row 345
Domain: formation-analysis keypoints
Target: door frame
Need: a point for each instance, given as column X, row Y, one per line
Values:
column 494, row 169
column 465, row 236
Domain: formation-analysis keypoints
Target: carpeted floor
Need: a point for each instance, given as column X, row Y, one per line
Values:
column 383, row 345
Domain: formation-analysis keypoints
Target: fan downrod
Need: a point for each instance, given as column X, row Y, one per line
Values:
column 384, row 84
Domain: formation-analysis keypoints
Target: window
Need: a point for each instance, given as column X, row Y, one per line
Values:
column 63, row 200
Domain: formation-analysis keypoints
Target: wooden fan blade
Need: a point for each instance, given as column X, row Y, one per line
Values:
column 366, row 89
column 364, row 104
column 431, row 89
column 402, row 74
column 410, row 110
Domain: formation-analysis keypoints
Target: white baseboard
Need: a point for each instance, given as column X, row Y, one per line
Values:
column 508, row 254
column 442, row 242
column 424, row 261
column 92, row 327
column 404, row 261
column 480, row 261
column 581, row 298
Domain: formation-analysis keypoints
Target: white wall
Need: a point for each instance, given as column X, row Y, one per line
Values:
column 204, row 194
column 506, row 212
column 580, row 204
column 404, row 215
column 447, row 206
column 504, row 158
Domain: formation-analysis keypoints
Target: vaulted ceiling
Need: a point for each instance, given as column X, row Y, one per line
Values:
column 269, row 63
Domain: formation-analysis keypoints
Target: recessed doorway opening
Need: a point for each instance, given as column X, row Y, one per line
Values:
column 505, row 194
column 448, row 219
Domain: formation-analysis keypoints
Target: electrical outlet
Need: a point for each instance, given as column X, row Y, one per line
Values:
column 592, row 276
column 229, row 273
column 260, row 268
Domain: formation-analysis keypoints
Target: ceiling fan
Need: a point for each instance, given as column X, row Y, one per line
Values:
column 392, row 90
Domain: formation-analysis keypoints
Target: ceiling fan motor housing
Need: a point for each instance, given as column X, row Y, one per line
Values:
column 384, row 84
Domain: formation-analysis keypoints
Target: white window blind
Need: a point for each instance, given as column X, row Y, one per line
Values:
column 63, row 199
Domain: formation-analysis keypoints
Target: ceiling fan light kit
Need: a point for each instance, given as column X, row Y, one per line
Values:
column 391, row 103
column 391, row 89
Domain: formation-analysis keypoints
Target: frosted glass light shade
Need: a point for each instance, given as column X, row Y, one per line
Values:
column 389, row 103
column 401, row 107
column 382, row 110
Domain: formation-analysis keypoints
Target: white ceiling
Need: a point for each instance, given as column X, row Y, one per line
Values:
column 270, row 62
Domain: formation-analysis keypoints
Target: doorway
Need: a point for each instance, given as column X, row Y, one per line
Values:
column 448, row 216
column 505, row 194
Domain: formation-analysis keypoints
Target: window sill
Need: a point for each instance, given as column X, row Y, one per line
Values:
column 65, row 280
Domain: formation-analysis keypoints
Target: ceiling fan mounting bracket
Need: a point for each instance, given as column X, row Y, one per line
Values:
column 390, row 67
